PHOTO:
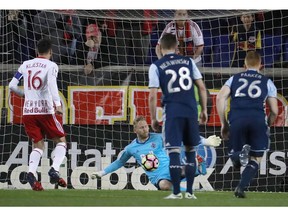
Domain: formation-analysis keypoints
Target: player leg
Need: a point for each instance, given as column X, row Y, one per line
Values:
column 191, row 139
column 164, row 184
column 237, row 139
column 173, row 138
column 54, row 131
column 57, row 158
column 259, row 140
column 34, row 133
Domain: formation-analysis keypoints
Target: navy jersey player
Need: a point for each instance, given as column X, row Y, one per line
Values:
column 247, row 127
column 176, row 76
column 153, row 142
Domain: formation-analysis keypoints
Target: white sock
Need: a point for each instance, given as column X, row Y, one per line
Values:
column 34, row 160
column 59, row 154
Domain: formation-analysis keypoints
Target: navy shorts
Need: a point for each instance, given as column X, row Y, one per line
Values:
column 251, row 131
column 180, row 129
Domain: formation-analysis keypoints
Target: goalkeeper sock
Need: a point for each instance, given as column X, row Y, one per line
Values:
column 34, row 160
column 59, row 154
column 175, row 171
column 190, row 169
column 248, row 174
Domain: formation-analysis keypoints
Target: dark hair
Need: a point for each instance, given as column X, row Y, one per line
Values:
column 44, row 46
column 168, row 41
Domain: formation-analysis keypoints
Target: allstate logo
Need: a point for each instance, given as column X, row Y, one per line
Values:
column 208, row 153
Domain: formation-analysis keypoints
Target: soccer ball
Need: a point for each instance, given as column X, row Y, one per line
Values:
column 150, row 162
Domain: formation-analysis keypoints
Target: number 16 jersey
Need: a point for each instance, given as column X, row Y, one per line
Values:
column 40, row 86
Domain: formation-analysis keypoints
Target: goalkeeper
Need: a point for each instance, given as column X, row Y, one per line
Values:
column 152, row 142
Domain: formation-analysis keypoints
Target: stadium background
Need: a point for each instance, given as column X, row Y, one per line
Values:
column 96, row 135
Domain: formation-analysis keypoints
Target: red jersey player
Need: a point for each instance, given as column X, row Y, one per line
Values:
column 188, row 34
column 41, row 93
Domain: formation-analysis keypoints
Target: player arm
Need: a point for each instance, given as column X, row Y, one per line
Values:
column 116, row 164
column 198, row 51
column 198, row 39
column 153, row 86
column 202, row 100
column 272, row 103
column 197, row 77
column 52, row 85
column 202, row 93
column 273, row 106
column 153, row 103
column 221, row 103
column 13, row 85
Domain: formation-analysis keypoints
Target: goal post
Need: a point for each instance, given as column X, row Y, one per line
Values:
column 103, row 86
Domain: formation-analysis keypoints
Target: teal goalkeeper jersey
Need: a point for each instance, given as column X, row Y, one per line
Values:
column 137, row 149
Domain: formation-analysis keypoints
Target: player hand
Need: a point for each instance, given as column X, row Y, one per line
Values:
column 213, row 141
column 203, row 117
column 97, row 174
column 225, row 132
column 155, row 126
column 59, row 110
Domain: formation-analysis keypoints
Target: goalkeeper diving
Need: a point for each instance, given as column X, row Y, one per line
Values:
column 146, row 143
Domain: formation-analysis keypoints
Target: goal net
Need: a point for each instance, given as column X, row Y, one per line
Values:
column 103, row 57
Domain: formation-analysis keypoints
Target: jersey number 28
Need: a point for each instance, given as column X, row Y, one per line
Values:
column 184, row 74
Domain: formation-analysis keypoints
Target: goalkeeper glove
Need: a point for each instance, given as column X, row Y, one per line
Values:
column 97, row 174
column 213, row 141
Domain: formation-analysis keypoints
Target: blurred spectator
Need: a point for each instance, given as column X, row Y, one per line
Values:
column 63, row 29
column 189, row 35
column 132, row 37
column 93, row 41
column 29, row 15
column 246, row 37
column 17, row 23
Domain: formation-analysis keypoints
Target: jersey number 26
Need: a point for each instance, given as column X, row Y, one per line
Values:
column 253, row 91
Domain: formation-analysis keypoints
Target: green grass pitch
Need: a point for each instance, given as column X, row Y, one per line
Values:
column 133, row 198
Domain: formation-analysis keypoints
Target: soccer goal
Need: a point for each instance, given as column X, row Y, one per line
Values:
column 103, row 58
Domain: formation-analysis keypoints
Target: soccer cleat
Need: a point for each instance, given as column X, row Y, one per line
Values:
column 35, row 185
column 190, row 196
column 244, row 155
column 62, row 182
column 173, row 196
column 239, row 193
column 55, row 178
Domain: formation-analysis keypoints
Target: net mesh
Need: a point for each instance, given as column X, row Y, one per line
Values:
column 103, row 57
